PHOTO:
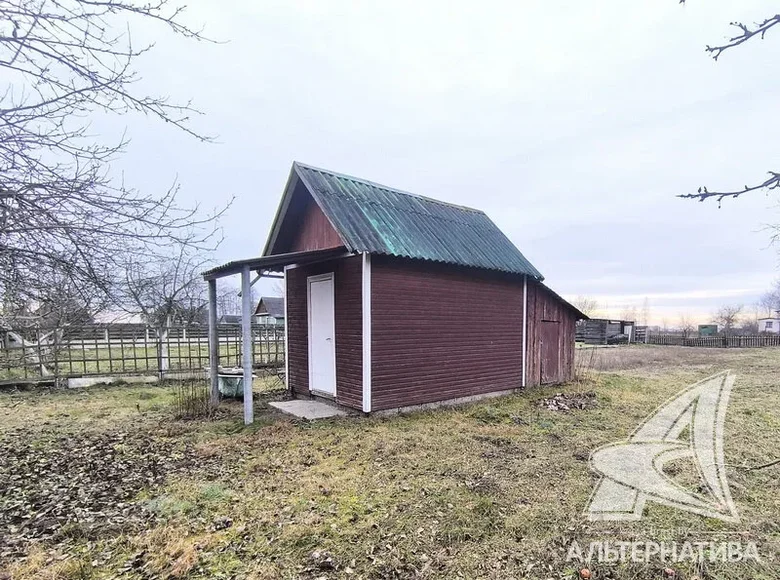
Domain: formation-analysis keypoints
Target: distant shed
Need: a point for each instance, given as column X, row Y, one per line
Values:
column 710, row 329
column 475, row 318
column 603, row 330
column 270, row 310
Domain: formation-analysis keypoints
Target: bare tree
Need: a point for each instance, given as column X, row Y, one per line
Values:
column 40, row 327
column 728, row 317
column 743, row 33
column 165, row 292
column 769, row 302
column 629, row 313
column 62, row 215
column 645, row 312
column 228, row 300
column 584, row 304
column 686, row 325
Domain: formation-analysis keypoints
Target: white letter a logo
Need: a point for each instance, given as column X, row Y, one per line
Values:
column 632, row 471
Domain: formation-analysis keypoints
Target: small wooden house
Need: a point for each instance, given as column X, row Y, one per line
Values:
column 475, row 319
column 270, row 310
column 770, row 325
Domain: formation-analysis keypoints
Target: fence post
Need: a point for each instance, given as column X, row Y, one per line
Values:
column 162, row 351
column 42, row 367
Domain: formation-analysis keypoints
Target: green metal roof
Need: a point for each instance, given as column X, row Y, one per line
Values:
column 380, row 220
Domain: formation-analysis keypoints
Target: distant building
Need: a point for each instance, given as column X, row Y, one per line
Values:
column 229, row 319
column 708, row 329
column 270, row 310
column 604, row 331
column 769, row 325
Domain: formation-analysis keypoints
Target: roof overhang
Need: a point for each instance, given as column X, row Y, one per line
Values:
column 293, row 181
column 578, row 313
column 274, row 263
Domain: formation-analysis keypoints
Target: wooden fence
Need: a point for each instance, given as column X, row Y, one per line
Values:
column 755, row 341
column 30, row 355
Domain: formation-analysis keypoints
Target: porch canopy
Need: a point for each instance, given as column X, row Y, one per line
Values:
column 274, row 263
column 261, row 265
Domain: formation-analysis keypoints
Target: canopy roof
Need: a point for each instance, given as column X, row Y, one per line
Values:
column 275, row 263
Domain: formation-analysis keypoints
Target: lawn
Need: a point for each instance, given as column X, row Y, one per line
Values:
column 106, row 483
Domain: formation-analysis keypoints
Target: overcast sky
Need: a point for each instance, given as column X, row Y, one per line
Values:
column 572, row 124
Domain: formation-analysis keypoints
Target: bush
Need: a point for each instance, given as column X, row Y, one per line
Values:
column 191, row 400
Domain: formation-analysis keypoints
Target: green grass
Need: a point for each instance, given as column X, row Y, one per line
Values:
column 490, row 490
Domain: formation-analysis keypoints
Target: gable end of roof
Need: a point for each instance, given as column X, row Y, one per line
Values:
column 377, row 219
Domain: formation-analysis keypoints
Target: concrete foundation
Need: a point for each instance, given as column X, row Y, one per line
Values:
column 308, row 409
column 446, row 403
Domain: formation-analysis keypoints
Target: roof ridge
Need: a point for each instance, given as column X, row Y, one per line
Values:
column 387, row 188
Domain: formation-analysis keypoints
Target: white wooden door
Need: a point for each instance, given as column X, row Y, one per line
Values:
column 322, row 335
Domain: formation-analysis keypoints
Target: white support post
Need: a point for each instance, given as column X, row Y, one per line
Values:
column 213, row 344
column 286, row 334
column 246, row 343
column 366, row 332
column 525, row 325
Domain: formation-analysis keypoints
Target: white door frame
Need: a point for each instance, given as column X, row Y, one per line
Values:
column 309, row 280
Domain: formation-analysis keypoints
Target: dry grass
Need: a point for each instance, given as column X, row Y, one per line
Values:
column 491, row 490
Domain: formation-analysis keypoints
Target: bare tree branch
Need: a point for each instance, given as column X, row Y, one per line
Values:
column 63, row 216
column 773, row 182
column 746, row 33
column 585, row 304
column 763, row 466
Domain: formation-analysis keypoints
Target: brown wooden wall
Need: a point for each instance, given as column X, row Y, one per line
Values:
column 545, row 306
column 304, row 226
column 315, row 231
column 440, row 332
column 348, row 286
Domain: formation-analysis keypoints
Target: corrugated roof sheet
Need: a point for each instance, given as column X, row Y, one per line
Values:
column 381, row 220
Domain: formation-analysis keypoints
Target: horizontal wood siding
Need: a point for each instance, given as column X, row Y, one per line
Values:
column 303, row 226
column 441, row 332
column 315, row 231
column 347, row 281
column 543, row 305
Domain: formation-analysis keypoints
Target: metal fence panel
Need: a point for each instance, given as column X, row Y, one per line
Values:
column 36, row 354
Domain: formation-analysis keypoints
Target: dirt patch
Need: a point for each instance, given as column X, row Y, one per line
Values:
column 81, row 485
column 568, row 402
